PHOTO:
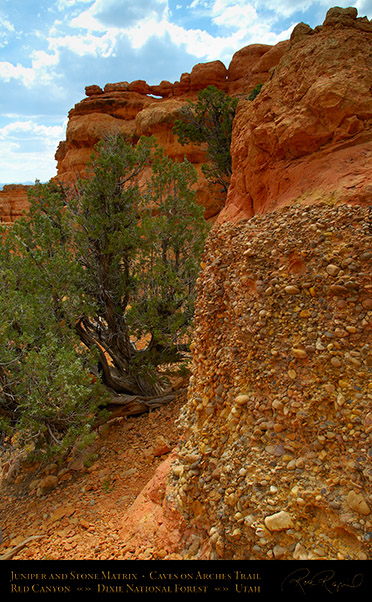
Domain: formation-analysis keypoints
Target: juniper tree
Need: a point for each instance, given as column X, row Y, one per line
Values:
column 209, row 121
column 47, row 398
column 97, row 284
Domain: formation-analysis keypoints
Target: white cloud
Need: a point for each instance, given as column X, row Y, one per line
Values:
column 5, row 28
column 4, row 23
column 40, row 72
column 19, row 128
column 9, row 71
column 27, row 150
column 87, row 44
column 120, row 14
column 233, row 13
column 20, row 166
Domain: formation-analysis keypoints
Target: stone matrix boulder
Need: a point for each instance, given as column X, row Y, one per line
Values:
column 275, row 461
column 308, row 135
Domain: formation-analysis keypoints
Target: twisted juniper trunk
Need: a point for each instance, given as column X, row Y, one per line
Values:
column 117, row 366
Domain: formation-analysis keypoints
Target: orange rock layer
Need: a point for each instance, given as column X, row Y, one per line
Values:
column 136, row 109
column 13, row 202
column 308, row 136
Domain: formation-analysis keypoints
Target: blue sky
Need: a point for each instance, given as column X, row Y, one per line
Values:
column 51, row 49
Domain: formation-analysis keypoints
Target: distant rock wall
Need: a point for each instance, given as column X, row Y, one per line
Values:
column 13, row 202
column 308, row 135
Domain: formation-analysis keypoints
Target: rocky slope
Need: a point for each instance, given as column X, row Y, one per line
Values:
column 282, row 373
column 308, row 135
column 275, row 461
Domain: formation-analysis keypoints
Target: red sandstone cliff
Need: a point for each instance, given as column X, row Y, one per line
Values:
column 137, row 109
column 308, row 136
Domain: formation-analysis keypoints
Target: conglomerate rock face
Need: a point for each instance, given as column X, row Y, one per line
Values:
column 308, row 135
column 276, row 458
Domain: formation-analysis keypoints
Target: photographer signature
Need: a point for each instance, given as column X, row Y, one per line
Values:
column 303, row 580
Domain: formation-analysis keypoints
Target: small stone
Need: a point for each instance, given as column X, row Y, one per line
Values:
column 279, row 552
column 63, row 511
column 277, row 404
column 242, row 399
column 356, row 502
column 216, row 474
column 280, row 521
column 367, row 303
column 337, row 290
column 329, row 388
column 332, row 269
column 161, row 447
column 278, row 450
column 292, row 374
column 340, row 400
column 47, row 484
column 336, row 362
column 292, row 290
column 177, row 470
column 299, row 353
column 300, row 552
column 340, row 333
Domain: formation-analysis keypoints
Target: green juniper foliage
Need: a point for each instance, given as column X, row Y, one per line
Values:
column 46, row 394
column 255, row 92
column 89, row 273
column 209, row 121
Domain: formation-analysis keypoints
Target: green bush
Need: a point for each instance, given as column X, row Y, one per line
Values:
column 88, row 273
column 209, row 121
column 255, row 92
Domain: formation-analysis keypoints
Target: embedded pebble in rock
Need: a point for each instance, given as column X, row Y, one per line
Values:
column 357, row 502
column 333, row 270
column 278, row 417
column 279, row 521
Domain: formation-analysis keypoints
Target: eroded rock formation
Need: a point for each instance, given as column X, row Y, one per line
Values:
column 308, row 135
column 277, row 431
column 136, row 109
